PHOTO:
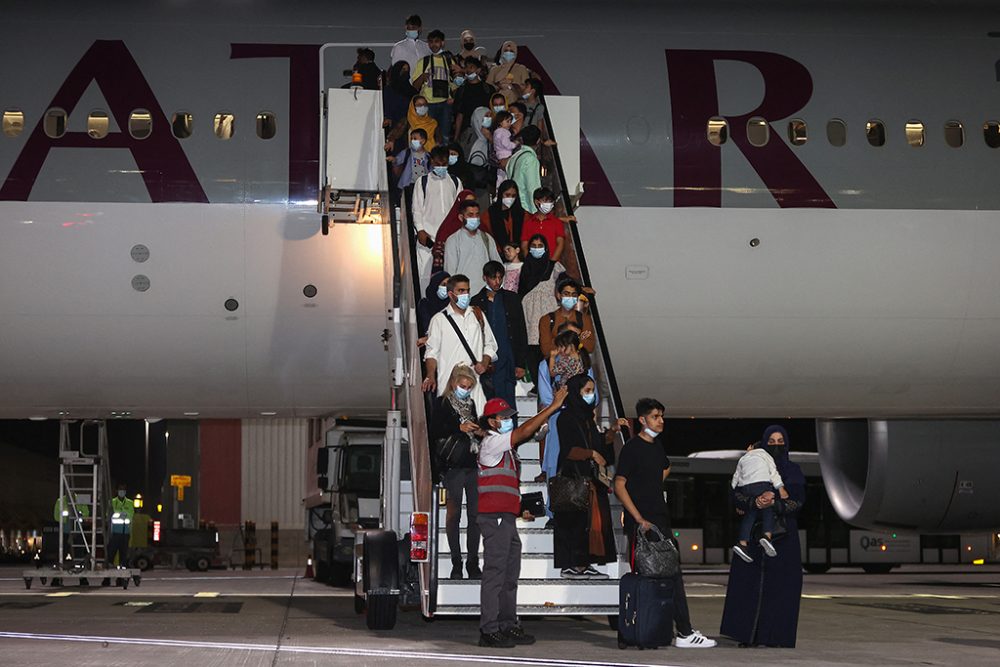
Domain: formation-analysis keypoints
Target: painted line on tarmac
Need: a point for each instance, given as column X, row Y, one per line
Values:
column 217, row 578
column 319, row 650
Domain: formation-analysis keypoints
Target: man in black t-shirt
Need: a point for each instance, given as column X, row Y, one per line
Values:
column 642, row 468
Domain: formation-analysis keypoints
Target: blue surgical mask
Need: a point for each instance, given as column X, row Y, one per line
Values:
column 589, row 399
column 526, row 96
column 421, row 111
column 412, row 34
column 416, row 144
column 452, row 160
column 546, row 207
column 459, row 80
column 650, row 432
column 442, row 291
column 506, row 426
column 487, row 121
column 569, row 302
column 508, row 56
column 498, row 108
column 537, row 253
column 472, row 224
column 462, row 393
column 462, row 301
column 472, row 76
column 440, row 171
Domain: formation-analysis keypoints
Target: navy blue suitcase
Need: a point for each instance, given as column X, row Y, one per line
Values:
column 645, row 611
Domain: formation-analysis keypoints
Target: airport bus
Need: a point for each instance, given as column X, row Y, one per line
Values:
column 702, row 516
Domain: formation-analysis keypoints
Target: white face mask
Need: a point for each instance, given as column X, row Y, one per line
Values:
column 507, row 202
column 546, row 207
column 421, row 111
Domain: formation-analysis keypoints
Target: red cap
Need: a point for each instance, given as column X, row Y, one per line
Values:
column 497, row 407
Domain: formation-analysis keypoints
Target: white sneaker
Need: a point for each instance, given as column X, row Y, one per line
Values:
column 694, row 640
column 740, row 551
column 768, row 547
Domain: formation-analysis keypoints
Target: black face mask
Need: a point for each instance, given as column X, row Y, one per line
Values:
column 777, row 452
column 469, row 46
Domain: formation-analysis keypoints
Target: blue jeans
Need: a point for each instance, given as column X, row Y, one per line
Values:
column 441, row 112
column 750, row 518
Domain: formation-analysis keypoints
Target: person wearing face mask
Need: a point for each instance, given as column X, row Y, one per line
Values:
column 506, row 317
column 534, row 105
column 122, row 511
column 455, row 432
column 543, row 221
column 584, row 538
column 459, row 334
column 476, row 141
column 772, row 585
column 396, row 97
column 467, row 250
column 566, row 316
column 508, row 76
column 524, row 167
column 499, row 507
column 411, row 48
column 432, row 77
column 435, row 300
column 433, row 197
column 537, row 284
column 642, row 469
column 474, row 93
column 505, row 216
column 470, row 51
column 452, row 223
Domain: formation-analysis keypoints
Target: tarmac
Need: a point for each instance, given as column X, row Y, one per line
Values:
column 928, row 615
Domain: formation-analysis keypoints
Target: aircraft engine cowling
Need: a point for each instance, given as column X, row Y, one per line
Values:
column 931, row 476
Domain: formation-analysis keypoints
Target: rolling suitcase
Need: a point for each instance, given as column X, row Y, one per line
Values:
column 645, row 611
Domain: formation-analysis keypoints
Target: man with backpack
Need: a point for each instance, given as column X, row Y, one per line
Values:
column 432, row 77
column 433, row 196
column 467, row 250
column 566, row 316
column 459, row 334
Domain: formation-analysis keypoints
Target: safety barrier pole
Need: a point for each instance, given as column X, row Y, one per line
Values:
column 247, row 549
column 274, row 545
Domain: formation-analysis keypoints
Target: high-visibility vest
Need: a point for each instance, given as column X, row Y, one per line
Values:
column 499, row 489
column 122, row 511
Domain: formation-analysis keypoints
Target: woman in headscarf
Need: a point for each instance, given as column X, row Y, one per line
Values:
column 434, row 301
column 762, row 598
column 505, row 216
column 509, row 75
column 536, row 287
column 397, row 94
column 417, row 117
column 479, row 150
column 455, row 422
column 583, row 538
column 449, row 226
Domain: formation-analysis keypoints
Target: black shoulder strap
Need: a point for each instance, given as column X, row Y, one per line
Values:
column 461, row 337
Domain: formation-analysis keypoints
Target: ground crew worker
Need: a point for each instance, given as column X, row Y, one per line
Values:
column 499, row 507
column 69, row 512
column 122, row 511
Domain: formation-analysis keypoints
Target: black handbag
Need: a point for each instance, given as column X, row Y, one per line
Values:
column 569, row 494
column 452, row 450
column 533, row 503
column 655, row 558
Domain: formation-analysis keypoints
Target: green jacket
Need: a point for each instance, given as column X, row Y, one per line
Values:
column 524, row 168
column 122, row 511
column 82, row 510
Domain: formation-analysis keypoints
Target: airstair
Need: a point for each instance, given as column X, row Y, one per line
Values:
column 84, row 510
column 353, row 124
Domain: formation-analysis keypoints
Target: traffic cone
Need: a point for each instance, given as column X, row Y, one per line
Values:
column 309, row 568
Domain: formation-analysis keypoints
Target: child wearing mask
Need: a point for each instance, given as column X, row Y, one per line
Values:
column 503, row 143
column 755, row 474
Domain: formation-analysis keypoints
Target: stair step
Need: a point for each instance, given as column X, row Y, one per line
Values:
column 532, row 610
column 533, row 540
column 533, row 567
column 538, row 592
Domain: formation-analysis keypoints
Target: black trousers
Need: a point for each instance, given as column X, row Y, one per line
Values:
column 457, row 480
column 118, row 545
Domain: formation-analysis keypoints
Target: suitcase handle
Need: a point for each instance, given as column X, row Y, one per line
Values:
column 628, row 596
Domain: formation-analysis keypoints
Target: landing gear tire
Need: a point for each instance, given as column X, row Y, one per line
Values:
column 381, row 612
column 816, row 568
column 202, row 563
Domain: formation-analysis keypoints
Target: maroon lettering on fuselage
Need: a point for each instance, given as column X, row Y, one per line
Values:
column 303, row 109
column 694, row 100
column 165, row 169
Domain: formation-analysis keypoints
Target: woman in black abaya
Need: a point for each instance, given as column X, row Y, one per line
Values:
column 762, row 598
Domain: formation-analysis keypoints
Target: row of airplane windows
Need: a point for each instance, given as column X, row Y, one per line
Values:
column 140, row 124
column 759, row 132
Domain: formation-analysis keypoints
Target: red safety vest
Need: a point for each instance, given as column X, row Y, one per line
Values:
column 499, row 489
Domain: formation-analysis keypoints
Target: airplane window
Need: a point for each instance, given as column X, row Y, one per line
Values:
column 915, row 133
column 267, row 125
column 991, row 133
column 224, row 125
column 758, row 131
column 13, row 122
column 55, row 123
column 875, row 131
column 182, row 124
column 836, row 132
column 97, row 124
column 954, row 134
column 718, row 131
column 797, row 134
column 140, row 124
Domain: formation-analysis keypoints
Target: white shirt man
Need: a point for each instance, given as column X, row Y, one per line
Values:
column 467, row 250
column 431, row 205
column 447, row 351
column 410, row 50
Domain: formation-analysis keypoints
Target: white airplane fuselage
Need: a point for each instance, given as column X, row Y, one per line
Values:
column 736, row 280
